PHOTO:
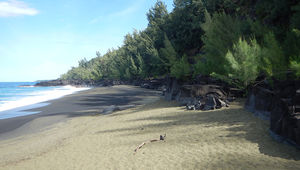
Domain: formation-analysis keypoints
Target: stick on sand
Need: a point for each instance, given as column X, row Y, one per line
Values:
column 161, row 138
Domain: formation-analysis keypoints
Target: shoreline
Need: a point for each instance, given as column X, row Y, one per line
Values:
column 84, row 138
column 19, row 99
column 82, row 103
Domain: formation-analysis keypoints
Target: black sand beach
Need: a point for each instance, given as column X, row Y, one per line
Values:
column 77, row 132
column 100, row 100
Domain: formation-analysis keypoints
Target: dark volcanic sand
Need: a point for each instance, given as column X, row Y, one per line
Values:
column 85, row 103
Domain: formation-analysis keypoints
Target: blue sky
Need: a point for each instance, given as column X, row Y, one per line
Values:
column 40, row 40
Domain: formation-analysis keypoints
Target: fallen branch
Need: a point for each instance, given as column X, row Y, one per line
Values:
column 161, row 138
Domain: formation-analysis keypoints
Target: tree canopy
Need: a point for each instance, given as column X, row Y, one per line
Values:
column 228, row 39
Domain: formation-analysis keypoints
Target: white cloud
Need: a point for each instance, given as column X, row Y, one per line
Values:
column 15, row 8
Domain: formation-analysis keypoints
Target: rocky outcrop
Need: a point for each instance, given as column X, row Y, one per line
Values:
column 157, row 84
column 60, row 82
column 260, row 101
column 281, row 106
column 200, row 96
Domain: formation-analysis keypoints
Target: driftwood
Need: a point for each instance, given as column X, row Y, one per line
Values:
column 161, row 138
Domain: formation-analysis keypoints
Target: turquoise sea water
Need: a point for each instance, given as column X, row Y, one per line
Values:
column 18, row 96
column 13, row 91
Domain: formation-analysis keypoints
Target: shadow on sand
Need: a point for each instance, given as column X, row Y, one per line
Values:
column 242, row 125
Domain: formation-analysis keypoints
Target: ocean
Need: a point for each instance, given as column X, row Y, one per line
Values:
column 18, row 96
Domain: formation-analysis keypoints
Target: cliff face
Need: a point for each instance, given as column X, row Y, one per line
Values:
column 281, row 106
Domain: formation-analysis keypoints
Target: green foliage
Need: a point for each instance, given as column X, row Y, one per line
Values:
column 276, row 14
column 181, row 68
column 243, row 62
column 221, row 32
column 184, row 26
column 295, row 19
column 200, row 68
column 157, row 17
column 206, row 33
column 258, row 31
column 227, row 6
column 168, row 55
column 273, row 60
column 142, row 54
column 295, row 65
column 292, row 43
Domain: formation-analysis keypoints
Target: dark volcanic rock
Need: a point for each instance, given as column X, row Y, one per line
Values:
column 52, row 83
column 281, row 106
column 260, row 102
column 59, row 82
column 196, row 96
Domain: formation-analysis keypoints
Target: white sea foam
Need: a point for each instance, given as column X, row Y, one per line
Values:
column 38, row 97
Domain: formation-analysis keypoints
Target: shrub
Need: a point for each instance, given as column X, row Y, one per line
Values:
column 242, row 63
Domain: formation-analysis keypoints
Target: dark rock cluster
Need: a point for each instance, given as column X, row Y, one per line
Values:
column 200, row 96
column 60, row 82
column 280, row 104
column 157, row 84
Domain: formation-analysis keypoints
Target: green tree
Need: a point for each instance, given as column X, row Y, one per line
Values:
column 157, row 17
column 181, row 68
column 168, row 54
column 221, row 32
column 274, row 63
column 184, row 26
column 243, row 62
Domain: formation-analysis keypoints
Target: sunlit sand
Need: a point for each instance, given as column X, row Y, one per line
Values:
column 223, row 139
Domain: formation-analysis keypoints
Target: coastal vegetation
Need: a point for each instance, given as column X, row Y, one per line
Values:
column 235, row 41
